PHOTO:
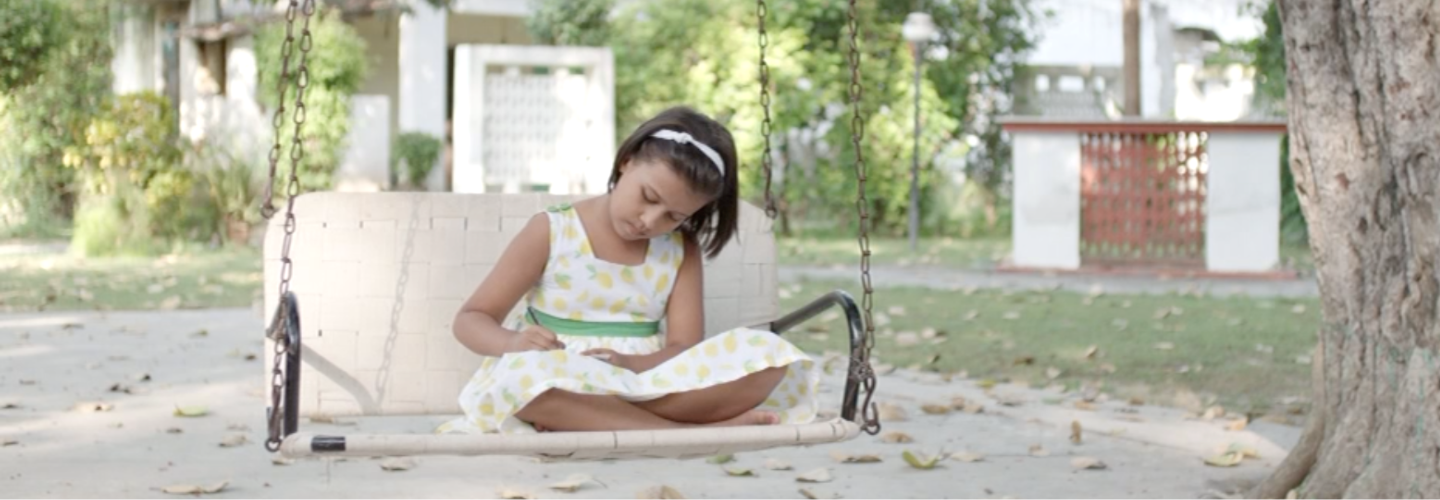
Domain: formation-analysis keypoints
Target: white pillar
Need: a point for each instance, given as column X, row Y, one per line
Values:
column 244, row 120
column 1242, row 202
column 1046, row 219
column 1164, row 57
column 422, row 77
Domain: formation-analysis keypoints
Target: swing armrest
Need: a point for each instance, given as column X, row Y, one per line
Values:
column 858, row 340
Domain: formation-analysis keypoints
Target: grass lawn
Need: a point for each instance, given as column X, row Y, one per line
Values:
column 55, row 282
column 1183, row 351
column 942, row 252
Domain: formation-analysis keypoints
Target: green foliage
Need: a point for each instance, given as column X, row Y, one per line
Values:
column 136, row 189
column 48, row 115
column 337, row 68
column 30, row 30
column 570, row 22
column 232, row 186
column 418, row 152
column 807, row 48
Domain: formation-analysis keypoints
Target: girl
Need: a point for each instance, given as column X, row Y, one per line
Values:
column 588, row 352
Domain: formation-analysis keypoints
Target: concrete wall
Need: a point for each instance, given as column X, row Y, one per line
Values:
column 1242, row 204
column 366, row 166
column 1046, row 232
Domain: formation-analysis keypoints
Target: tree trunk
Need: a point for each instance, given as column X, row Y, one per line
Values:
column 1364, row 113
column 1131, row 28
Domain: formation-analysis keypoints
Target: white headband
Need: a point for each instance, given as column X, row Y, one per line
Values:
column 684, row 138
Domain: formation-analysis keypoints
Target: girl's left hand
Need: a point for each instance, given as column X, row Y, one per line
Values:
column 610, row 356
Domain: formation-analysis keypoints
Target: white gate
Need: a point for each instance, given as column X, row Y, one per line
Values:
column 533, row 118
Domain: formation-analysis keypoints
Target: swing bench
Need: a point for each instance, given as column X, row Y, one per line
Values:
column 381, row 276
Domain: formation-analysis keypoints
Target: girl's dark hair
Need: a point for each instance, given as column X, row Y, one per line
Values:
column 714, row 224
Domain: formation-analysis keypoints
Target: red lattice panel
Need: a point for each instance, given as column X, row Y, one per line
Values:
column 1143, row 198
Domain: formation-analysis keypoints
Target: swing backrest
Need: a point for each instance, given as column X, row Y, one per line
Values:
column 380, row 276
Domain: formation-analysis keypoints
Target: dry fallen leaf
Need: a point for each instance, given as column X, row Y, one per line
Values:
column 907, row 338
column 935, row 409
column 8, row 442
column 970, row 316
column 721, row 459
column 1038, row 451
column 1165, row 346
column 967, row 457
column 397, row 464
column 897, row 310
column 821, row 475
column 922, row 462
column 1052, row 373
column 1213, row 413
column 1075, row 432
column 1091, row 351
column 1245, row 451
column 738, row 472
column 896, row 437
column 191, row 411
column 234, row 440
column 1237, row 424
column 776, row 464
column 573, row 483
column 93, row 407
column 282, row 461
column 890, row 412
column 10, row 406
column 1225, row 460
column 659, row 493
column 846, row 458
column 514, row 494
column 1085, row 405
column 809, row 494
column 190, row 489
column 1087, row 463
column 1298, row 309
column 1137, row 401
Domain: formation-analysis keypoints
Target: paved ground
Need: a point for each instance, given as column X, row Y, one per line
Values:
column 948, row 278
column 51, row 362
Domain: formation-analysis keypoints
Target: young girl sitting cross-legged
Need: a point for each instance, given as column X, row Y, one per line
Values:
column 586, row 352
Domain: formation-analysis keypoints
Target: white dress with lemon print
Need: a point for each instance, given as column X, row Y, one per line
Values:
column 591, row 303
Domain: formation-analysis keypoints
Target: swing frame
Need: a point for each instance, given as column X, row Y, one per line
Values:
column 284, row 330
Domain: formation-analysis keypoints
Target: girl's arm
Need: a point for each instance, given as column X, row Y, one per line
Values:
column 684, row 314
column 477, row 325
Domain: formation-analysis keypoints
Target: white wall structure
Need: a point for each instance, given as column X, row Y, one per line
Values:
column 533, row 117
column 366, row 166
column 1242, row 190
column 1242, row 205
column 1046, row 218
column 423, row 73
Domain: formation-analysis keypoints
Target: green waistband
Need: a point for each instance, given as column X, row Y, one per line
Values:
column 565, row 326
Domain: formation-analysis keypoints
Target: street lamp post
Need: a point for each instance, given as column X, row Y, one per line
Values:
column 918, row 30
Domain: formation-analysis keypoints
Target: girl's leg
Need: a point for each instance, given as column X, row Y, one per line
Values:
column 722, row 402
column 557, row 410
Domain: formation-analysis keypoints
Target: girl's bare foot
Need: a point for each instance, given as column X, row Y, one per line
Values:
column 752, row 417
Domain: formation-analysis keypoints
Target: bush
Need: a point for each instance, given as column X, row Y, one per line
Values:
column 30, row 31
column 48, row 107
column 233, row 188
column 417, row 152
column 337, row 67
column 134, row 178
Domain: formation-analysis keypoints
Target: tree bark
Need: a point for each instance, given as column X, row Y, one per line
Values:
column 1364, row 114
column 1131, row 28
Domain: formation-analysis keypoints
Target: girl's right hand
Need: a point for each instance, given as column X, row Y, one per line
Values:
column 533, row 338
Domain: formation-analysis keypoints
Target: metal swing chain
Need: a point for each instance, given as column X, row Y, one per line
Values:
column 870, row 421
column 761, row 12
column 292, row 189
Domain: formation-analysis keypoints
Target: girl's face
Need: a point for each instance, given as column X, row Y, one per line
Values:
column 650, row 199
